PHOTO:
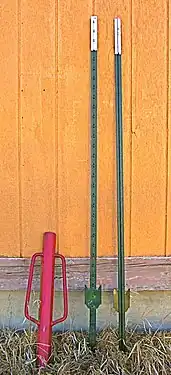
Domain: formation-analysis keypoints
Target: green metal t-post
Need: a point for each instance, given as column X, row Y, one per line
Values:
column 93, row 295
column 120, row 187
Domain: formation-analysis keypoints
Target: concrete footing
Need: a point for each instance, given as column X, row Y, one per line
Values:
column 150, row 309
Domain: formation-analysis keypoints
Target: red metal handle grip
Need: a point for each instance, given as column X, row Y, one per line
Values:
column 65, row 292
column 28, row 292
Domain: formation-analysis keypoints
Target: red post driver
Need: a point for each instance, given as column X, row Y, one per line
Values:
column 45, row 322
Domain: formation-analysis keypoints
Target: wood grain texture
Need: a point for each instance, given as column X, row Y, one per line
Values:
column 141, row 273
column 9, row 187
column 74, row 126
column 168, row 218
column 45, row 126
column 38, row 122
column 149, row 80
column 107, row 216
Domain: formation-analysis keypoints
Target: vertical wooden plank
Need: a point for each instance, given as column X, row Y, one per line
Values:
column 168, row 221
column 74, row 123
column 107, row 216
column 9, row 192
column 149, row 81
column 38, row 119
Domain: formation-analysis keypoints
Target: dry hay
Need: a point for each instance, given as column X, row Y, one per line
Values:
column 146, row 354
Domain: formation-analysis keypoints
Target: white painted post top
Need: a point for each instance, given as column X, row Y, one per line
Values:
column 117, row 28
column 93, row 33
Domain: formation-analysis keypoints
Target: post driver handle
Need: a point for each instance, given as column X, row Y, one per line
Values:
column 65, row 291
column 29, row 286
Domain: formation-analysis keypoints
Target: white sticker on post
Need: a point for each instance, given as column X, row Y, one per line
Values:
column 117, row 22
column 93, row 33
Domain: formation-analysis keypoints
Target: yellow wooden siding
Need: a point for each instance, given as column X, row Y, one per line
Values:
column 149, row 126
column 45, row 126
column 9, row 166
column 168, row 182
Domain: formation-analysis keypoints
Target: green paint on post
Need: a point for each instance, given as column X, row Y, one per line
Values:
column 93, row 295
column 93, row 169
column 120, row 187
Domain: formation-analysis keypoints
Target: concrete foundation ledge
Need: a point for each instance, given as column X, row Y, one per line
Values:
column 149, row 310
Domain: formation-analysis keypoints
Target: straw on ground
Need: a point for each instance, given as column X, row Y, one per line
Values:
column 148, row 354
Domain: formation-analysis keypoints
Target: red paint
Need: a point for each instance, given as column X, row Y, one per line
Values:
column 45, row 323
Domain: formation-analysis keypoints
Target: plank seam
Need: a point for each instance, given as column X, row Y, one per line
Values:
column 131, row 156
column 93, row 6
column 19, row 128
column 56, row 122
column 167, row 127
